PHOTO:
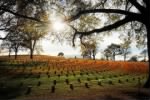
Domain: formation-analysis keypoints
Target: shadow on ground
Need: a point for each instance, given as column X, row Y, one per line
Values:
column 138, row 95
column 10, row 92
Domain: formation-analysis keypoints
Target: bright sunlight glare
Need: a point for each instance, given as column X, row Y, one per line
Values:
column 58, row 25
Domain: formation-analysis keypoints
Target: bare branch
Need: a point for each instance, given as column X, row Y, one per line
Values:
column 117, row 11
column 81, row 41
column 127, row 3
column 109, row 27
column 19, row 15
column 128, row 7
column 105, row 28
column 74, row 36
column 137, row 5
column 1, row 29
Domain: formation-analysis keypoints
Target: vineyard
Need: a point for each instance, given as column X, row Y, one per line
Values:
column 56, row 78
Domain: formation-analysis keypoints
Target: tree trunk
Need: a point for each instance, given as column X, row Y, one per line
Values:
column 9, row 53
column 33, row 43
column 147, row 84
column 124, row 57
column 15, row 54
column 16, row 51
column 114, row 56
column 93, row 57
column 93, row 54
column 90, row 55
column 106, row 57
column 144, row 56
column 31, row 53
column 31, row 50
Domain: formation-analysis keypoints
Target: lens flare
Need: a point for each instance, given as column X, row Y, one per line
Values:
column 58, row 25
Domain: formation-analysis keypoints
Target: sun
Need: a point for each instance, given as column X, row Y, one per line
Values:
column 58, row 25
column 57, row 22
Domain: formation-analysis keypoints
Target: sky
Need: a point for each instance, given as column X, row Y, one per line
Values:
column 69, row 51
column 52, row 49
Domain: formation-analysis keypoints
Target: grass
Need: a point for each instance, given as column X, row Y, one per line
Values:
column 25, row 79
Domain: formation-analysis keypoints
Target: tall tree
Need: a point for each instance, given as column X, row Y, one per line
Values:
column 13, row 41
column 107, row 53
column 114, row 50
column 30, row 36
column 6, row 45
column 89, row 49
column 125, row 46
column 31, row 30
column 127, row 10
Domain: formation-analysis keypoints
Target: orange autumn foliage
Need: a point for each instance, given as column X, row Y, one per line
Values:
column 80, row 64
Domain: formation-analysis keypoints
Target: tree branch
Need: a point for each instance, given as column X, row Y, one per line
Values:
column 1, row 29
column 101, row 11
column 137, row 5
column 105, row 28
column 19, row 15
column 74, row 36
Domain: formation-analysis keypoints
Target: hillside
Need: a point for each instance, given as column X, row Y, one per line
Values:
column 57, row 78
